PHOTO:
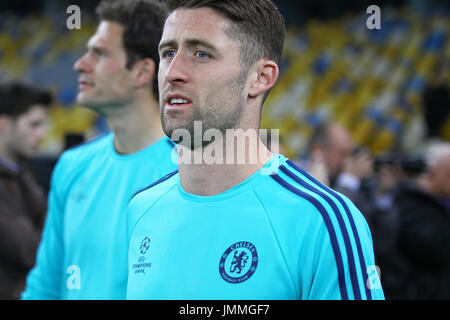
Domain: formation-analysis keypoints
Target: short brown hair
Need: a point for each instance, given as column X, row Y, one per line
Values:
column 256, row 24
column 143, row 22
column 16, row 98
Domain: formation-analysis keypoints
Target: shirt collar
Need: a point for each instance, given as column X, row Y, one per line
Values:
column 9, row 164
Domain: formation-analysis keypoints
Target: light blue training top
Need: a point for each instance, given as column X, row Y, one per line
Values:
column 280, row 236
column 83, row 252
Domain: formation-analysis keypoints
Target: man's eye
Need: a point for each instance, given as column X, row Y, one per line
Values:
column 201, row 54
column 169, row 54
column 98, row 52
column 37, row 124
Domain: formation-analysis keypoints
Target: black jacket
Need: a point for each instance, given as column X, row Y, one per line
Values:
column 424, row 242
column 22, row 215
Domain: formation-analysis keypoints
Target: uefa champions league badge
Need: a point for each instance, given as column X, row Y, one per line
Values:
column 238, row 263
column 141, row 266
column 145, row 245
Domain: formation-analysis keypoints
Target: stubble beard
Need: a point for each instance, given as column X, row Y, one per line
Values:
column 217, row 112
column 100, row 105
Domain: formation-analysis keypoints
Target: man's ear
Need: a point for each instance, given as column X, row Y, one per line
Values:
column 265, row 75
column 145, row 72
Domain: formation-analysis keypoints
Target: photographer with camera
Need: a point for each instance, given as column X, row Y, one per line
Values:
column 335, row 161
column 371, row 184
column 333, row 158
column 391, row 171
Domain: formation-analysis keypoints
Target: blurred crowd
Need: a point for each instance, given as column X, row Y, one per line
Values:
column 405, row 199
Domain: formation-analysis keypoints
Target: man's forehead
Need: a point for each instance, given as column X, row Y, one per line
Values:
column 36, row 109
column 35, row 112
column 194, row 22
column 108, row 33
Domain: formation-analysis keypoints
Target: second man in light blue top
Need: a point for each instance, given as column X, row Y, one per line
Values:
column 83, row 252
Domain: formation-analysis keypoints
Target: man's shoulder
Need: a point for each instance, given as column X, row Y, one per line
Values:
column 76, row 159
column 289, row 186
column 91, row 147
column 155, row 189
column 164, row 144
column 299, row 193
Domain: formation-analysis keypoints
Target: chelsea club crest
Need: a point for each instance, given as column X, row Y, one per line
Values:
column 238, row 262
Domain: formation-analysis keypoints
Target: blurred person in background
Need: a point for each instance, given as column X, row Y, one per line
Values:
column 423, row 206
column 389, row 174
column 23, row 119
column 83, row 253
column 335, row 160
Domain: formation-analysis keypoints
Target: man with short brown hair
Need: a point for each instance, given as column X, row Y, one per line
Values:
column 83, row 254
column 239, row 229
column 23, row 119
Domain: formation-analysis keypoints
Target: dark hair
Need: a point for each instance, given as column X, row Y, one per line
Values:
column 256, row 24
column 17, row 98
column 143, row 22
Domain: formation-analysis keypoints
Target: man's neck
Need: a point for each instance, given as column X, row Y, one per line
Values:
column 135, row 126
column 211, row 179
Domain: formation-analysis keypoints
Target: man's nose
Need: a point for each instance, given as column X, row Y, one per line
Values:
column 177, row 70
column 82, row 65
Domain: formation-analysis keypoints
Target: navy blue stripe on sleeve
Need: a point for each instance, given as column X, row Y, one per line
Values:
column 330, row 229
column 171, row 143
column 351, row 220
column 154, row 183
column 337, row 213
